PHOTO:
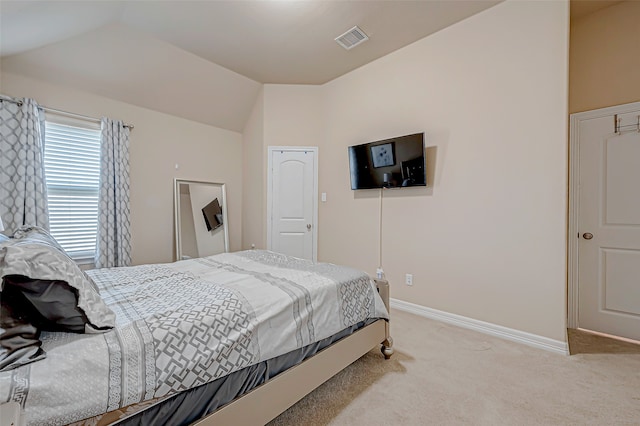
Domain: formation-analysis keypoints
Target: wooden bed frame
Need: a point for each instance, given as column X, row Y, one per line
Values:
column 267, row 401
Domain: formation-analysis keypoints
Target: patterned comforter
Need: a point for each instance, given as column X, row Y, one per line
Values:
column 183, row 324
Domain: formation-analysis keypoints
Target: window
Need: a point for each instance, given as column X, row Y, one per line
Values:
column 72, row 169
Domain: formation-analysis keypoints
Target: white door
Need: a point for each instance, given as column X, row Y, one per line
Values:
column 292, row 201
column 609, row 224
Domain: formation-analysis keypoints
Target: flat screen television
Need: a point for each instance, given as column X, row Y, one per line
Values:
column 212, row 213
column 390, row 163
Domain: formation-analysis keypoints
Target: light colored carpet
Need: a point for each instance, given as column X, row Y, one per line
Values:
column 445, row 375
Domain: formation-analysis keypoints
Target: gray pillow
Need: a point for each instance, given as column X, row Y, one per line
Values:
column 53, row 283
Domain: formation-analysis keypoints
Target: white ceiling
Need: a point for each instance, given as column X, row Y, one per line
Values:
column 289, row 42
column 206, row 60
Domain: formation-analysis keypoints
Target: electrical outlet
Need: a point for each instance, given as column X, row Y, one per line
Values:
column 408, row 279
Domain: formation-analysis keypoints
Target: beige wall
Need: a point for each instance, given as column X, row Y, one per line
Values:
column 293, row 115
column 158, row 142
column 487, row 239
column 254, row 172
column 284, row 115
column 604, row 58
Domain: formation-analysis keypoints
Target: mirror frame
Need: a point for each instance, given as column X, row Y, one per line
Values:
column 176, row 212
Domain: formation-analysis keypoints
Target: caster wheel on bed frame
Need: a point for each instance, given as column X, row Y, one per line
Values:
column 387, row 348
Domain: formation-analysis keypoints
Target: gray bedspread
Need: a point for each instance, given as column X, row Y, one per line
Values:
column 184, row 324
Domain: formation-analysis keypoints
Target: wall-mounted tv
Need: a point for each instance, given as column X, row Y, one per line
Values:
column 390, row 163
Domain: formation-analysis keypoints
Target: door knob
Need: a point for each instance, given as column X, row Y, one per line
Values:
column 587, row 235
column 308, row 226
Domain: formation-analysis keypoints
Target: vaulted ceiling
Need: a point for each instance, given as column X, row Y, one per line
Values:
column 206, row 60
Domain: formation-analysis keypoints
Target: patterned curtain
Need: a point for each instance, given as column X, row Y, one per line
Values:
column 113, row 245
column 23, row 189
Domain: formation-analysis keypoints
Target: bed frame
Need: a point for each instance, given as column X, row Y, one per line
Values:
column 266, row 402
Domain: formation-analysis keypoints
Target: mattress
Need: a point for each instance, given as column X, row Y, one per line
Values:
column 185, row 324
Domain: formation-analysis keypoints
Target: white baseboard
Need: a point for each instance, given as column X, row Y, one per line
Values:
column 506, row 333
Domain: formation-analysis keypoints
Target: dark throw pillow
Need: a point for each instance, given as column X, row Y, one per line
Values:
column 65, row 298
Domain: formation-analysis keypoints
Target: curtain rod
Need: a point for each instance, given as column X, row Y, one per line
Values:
column 58, row 111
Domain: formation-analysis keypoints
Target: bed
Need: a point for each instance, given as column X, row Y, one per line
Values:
column 161, row 343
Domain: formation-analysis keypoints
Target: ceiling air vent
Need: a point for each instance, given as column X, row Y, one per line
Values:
column 352, row 38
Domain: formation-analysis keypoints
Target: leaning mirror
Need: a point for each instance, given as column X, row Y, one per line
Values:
column 200, row 219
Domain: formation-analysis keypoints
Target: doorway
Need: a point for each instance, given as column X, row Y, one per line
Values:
column 604, row 221
column 292, row 201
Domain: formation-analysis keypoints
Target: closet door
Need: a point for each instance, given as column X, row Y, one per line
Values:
column 609, row 224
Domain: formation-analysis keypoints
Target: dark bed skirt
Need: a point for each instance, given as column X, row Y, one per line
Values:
column 191, row 405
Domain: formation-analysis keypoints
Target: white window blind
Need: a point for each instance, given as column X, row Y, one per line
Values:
column 72, row 169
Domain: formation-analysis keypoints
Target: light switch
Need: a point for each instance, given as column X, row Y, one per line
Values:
column 324, row 197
